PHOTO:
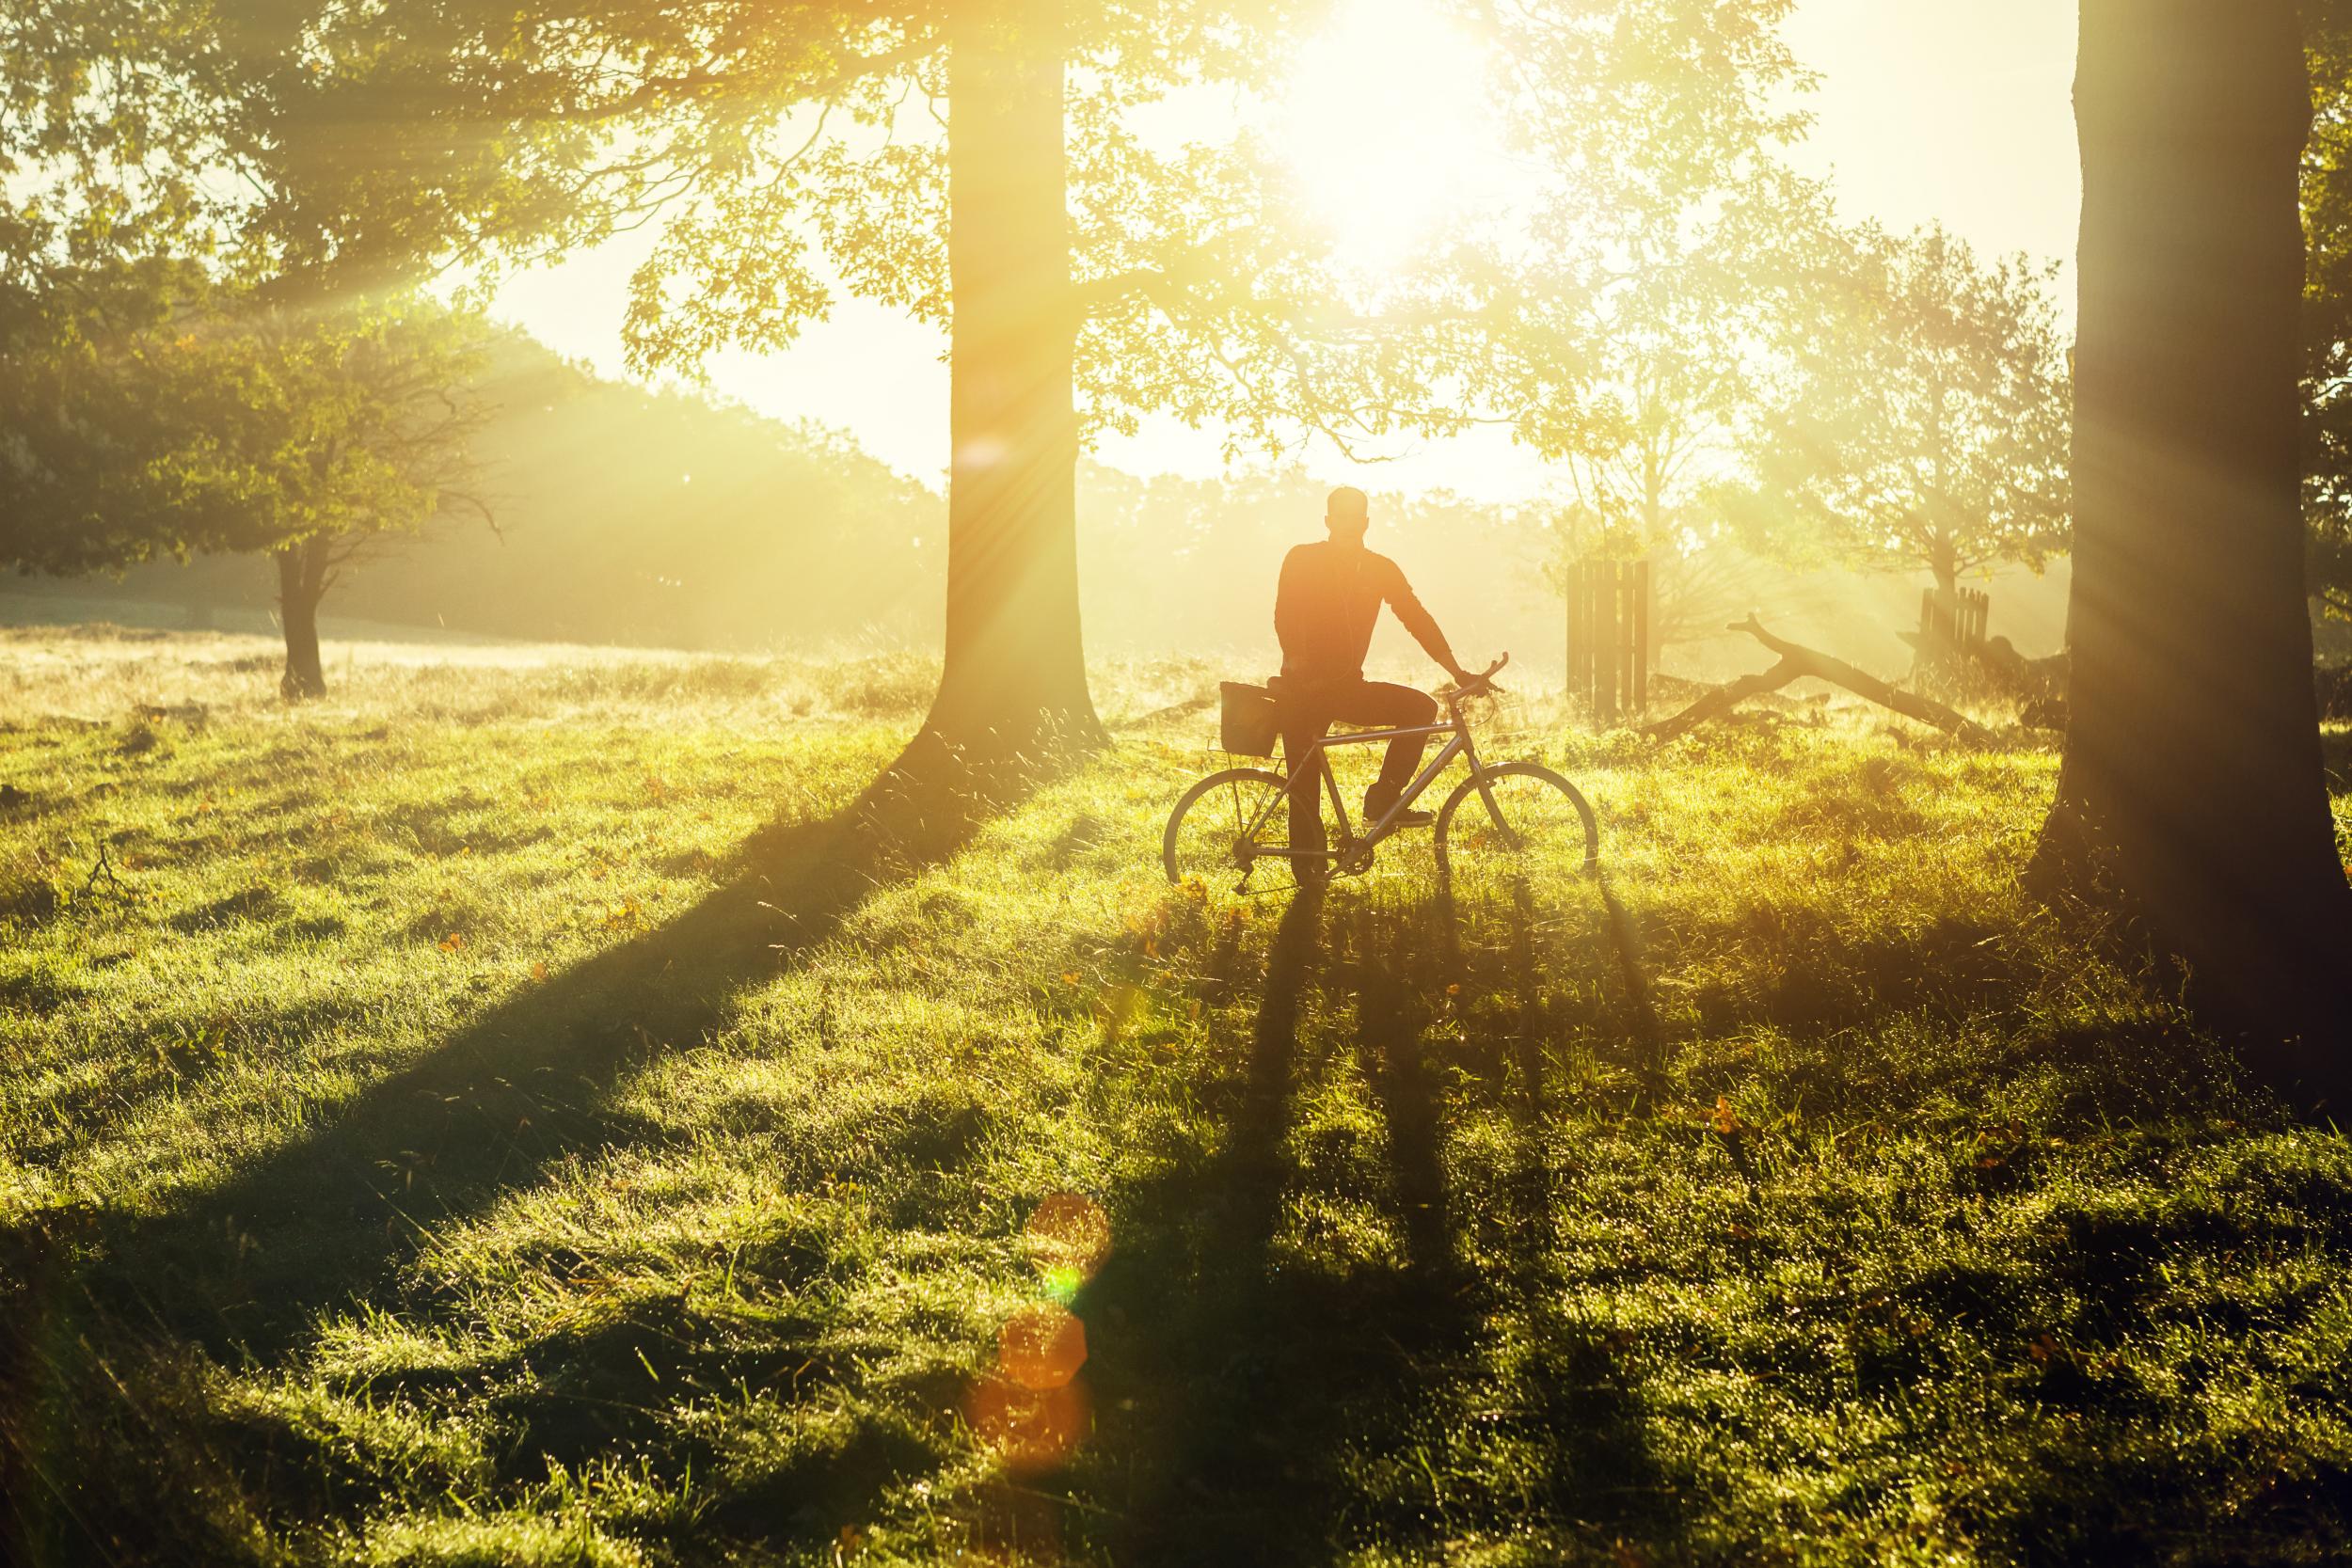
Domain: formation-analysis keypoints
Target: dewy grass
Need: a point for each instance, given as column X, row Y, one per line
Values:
column 499, row 1114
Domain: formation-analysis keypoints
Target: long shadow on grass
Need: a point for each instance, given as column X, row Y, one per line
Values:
column 1206, row 1326
column 1574, row 1411
column 1523, row 901
column 1280, row 1385
column 245, row 1269
column 526, row 1084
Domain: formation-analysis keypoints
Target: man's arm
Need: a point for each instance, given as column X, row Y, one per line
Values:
column 1286, row 607
column 1418, row 621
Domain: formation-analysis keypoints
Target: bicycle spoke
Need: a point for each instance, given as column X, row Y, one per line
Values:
column 1517, row 824
column 1230, row 824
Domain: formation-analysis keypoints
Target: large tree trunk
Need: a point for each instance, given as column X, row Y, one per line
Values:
column 1015, row 682
column 1946, row 571
column 301, row 583
column 2192, row 795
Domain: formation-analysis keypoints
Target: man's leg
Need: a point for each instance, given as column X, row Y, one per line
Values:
column 1302, row 726
column 1381, row 706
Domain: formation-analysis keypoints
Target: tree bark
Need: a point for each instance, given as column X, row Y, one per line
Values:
column 301, row 583
column 2192, row 795
column 1014, row 687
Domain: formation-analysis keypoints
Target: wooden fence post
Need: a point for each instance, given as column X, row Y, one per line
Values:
column 1609, row 638
column 1615, row 642
column 1641, row 636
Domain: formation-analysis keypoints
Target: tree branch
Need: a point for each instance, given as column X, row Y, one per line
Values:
column 1797, row 663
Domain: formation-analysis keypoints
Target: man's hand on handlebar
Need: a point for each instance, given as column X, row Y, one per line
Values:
column 1482, row 684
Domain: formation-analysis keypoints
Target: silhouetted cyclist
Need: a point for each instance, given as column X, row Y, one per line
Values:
column 1324, row 612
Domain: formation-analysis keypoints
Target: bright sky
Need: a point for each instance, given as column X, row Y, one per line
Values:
column 1961, row 113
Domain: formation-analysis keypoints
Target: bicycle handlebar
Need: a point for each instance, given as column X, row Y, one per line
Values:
column 1482, row 684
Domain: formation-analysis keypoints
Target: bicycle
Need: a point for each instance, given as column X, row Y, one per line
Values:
column 1528, row 816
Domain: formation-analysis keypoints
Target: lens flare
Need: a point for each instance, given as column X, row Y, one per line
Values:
column 1034, row 1409
column 1029, row 1428
column 1041, row 1347
column 1068, row 1235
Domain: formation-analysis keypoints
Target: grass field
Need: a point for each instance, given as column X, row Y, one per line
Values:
column 508, row 1112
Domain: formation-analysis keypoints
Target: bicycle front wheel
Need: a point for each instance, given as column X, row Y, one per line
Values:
column 1519, row 819
column 1233, row 828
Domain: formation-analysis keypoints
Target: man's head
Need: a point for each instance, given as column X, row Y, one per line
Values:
column 1347, row 515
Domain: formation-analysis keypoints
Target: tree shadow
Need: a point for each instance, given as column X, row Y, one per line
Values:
column 1205, row 1321
column 1392, row 1023
column 1649, row 1034
column 1251, row 1380
column 1597, row 1468
column 241, row 1271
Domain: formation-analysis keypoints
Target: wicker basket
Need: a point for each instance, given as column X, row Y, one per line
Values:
column 1249, row 720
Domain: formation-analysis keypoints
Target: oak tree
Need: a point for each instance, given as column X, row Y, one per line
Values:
column 143, row 420
column 1921, row 419
column 976, row 165
column 2193, row 793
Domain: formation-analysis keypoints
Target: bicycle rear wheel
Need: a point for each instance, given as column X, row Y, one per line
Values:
column 1232, row 828
column 1517, row 821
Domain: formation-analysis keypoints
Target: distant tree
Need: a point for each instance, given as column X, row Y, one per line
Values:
column 634, row 515
column 223, row 426
column 329, row 437
column 2193, row 794
column 1921, row 420
column 206, row 295
column 1668, row 238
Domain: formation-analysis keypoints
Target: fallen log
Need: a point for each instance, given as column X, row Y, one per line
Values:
column 1797, row 663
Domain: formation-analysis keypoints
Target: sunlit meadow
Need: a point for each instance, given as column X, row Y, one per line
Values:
column 512, row 1111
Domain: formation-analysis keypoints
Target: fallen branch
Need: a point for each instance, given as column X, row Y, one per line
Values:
column 1797, row 663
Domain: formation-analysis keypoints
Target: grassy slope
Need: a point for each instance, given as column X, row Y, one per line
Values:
column 507, row 1120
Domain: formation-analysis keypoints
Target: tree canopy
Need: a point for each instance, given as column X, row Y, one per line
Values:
column 1921, row 420
column 1658, row 251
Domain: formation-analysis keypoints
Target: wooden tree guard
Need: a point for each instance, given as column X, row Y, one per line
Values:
column 1951, row 627
column 1609, row 638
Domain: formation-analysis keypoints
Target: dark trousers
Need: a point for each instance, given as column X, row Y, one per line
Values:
column 1311, row 708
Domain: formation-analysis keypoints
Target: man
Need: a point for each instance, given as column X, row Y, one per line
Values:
column 1323, row 610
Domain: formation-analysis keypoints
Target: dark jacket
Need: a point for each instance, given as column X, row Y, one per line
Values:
column 1329, row 597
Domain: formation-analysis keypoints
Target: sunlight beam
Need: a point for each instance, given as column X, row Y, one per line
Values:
column 1390, row 124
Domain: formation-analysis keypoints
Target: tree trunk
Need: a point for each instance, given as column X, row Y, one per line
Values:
column 2192, row 795
column 1014, row 686
column 301, row 583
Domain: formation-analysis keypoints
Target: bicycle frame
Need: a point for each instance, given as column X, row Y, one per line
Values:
column 1318, row 755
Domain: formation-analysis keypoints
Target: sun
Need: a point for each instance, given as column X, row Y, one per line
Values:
column 1391, row 126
